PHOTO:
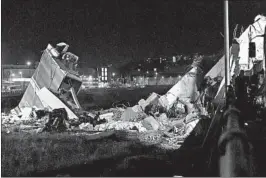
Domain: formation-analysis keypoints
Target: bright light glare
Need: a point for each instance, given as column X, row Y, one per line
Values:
column 28, row 63
column 90, row 78
column 113, row 74
column 13, row 75
column 246, row 123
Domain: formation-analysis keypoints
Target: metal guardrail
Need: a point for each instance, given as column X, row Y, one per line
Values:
column 235, row 158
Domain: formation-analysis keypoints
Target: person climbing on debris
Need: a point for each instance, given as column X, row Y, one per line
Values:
column 209, row 90
column 241, row 94
column 204, row 88
column 241, row 88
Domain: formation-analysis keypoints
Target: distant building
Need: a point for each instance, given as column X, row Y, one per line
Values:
column 10, row 72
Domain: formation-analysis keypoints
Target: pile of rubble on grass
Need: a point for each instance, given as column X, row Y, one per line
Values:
column 168, row 127
column 158, row 119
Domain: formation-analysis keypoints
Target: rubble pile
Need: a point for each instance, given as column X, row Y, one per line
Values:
column 50, row 105
column 153, row 128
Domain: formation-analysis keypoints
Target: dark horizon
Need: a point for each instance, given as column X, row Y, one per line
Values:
column 117, row 31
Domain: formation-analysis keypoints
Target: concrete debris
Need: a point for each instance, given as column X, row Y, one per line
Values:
column 142, row 104
column 150, row 101
column 137, row 109
column 86, row 126
column 151, row 137
column 189, row 127
column 133, row 114
column 120, row 125
column 191, row 117
column 150, row 123
column 87, row 117
column 179, row 108
column 50, row 104
column 107, row 116
column 163, row 119
column 57, row 121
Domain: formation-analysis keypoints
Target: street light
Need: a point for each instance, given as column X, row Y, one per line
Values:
column 20, row 73
column 28, row 63
column 113, row 74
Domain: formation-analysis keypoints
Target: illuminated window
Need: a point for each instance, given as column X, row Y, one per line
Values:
column 174, row 59
column 104, row 74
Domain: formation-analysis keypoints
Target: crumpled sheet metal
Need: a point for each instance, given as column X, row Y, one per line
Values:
column 49, row 76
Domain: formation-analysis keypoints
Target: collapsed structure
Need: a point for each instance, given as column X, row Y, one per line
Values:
column 55, row 85
column 55, row 82
column 247, row 53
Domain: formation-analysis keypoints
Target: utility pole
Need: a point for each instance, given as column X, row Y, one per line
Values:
column 226, row 46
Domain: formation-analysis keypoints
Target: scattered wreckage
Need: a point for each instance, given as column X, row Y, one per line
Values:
column 50, row 101
column 50, row 104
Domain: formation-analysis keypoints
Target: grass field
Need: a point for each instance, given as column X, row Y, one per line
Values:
column 108, row 154
column 49, row 154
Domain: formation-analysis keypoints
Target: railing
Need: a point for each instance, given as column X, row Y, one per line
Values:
column 235, row 158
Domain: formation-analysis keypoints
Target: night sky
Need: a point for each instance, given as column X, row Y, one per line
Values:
column 117, row 31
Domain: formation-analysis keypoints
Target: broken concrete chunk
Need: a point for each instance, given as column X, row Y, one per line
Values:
column 152, row 98
column 142, row 104
column 163, row 121
column 128, row 115
column 86, row 126
column 107, row 116
column 163, row 102
column 163, row 118
column 137, row 108
column 131, row 115
column 150, row 101
column 150, row 123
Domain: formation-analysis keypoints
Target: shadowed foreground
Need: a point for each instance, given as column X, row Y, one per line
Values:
column 67, row 154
